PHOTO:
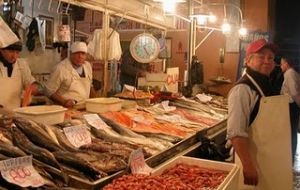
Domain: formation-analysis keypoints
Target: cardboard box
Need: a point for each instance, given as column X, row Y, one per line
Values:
column 229, row 183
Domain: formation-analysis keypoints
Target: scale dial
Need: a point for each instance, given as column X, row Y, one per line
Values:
column 144, row 48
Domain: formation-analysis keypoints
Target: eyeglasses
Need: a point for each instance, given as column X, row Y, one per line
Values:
column 264, row 57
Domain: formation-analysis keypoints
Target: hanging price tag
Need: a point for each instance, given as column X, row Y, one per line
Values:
column 137, row 163
column 20, row 171
column 78, row 135
column 95, row 121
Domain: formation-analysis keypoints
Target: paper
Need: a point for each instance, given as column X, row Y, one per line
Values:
column 8, row 37
column 137, row 163
column 141, row 119
column 128, row 88
column 78, row 135
column 166, row 107
column 170, row 118
column 204, row 98
column 95, row 121
column 20, row 171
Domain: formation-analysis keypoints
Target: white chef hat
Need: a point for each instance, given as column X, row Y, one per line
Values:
column 78, row 47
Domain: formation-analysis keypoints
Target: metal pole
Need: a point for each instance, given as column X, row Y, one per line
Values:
column 192, row 37
column 105, row 28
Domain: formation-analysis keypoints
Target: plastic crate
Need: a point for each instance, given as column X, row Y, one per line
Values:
column 229, row 183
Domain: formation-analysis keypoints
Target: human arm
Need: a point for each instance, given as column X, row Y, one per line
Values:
column 59, row 81
column 241, row 102
column 69, row 103
column 241, row 146
column 93, row 93
column 292, row 85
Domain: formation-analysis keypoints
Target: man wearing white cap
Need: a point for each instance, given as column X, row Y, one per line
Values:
column 71, row 81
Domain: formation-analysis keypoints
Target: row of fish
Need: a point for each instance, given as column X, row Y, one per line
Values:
column 56, row 159
column 108, row 152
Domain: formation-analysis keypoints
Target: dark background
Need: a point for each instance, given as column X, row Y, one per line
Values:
column 287, row 28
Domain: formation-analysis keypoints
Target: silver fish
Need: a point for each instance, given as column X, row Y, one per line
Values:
column 36, row 134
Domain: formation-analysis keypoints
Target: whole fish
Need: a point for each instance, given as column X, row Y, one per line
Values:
column 11, row 150
column 118, row 128
column 78, row 163
column 101, row 148
column 5, row 135
column 169, row 138
column 50, row 132
column 3, row 157
column 106, row 162
column 39, row 153
column 36, row 134
column 102, row 134
column 62, row 139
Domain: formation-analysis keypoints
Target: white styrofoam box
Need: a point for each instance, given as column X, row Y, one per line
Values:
column 229, row 183
column 46, row 114
column 100, row 105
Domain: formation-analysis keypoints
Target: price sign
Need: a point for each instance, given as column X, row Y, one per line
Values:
column 20, row 171
column 128, row 88
column 78, row 135
column 165, row 104
column 204, row 98
column 166, row 107
column 95, row 121
column 137, row 163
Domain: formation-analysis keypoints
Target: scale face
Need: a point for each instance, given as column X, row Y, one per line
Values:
column 144, row 48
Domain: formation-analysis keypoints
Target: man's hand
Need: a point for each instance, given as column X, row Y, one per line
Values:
column 69, row 103
column 250, row 174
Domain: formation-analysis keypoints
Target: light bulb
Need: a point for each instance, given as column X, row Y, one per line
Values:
column 243, row 31
column 226, row 28
column 169, row 6
column 212, row 18
column 201, row 20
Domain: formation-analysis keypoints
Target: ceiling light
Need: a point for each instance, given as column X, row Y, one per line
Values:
column 212, row 18
column 226, row 28
column 243, row 31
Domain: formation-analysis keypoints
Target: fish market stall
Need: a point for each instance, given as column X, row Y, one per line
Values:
column 89, row 150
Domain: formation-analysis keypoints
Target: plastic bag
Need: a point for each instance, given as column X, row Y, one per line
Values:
column 212, row 151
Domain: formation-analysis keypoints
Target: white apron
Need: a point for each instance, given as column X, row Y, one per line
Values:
column 11, row 89
column 270, row 145
column 79, row 89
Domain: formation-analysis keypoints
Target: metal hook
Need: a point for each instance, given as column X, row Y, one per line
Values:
column 67, row 9
column 58, row 6
column 49, row 6
column 40, row 4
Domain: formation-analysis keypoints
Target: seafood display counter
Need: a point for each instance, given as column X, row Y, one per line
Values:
column 179, row 149
column 89, row 150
